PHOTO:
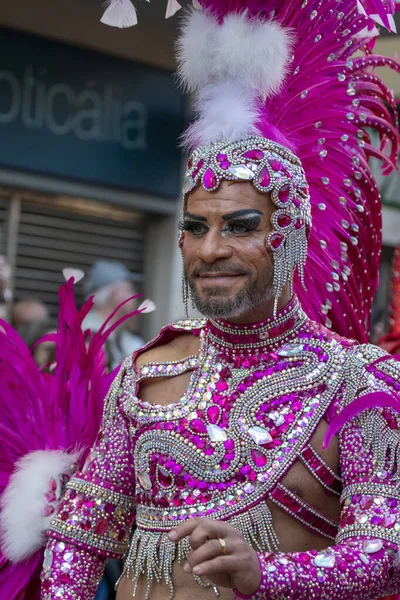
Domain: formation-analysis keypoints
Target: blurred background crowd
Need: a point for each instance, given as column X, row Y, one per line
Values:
column 90, row 172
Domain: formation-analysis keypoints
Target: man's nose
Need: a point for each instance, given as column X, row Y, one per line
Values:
column 213, row 246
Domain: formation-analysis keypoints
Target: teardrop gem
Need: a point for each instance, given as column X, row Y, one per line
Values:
column 254, row 154
column 198, row 426
column 260, row 460
column 209, row 179
column 372, row 546
column 264, row 178
column 276, row 240
column 213, row 414
column 284, row 193
column 284, row 220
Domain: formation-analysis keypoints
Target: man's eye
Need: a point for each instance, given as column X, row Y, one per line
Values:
column 198, row 229
column 239, row 228
column 195, row 228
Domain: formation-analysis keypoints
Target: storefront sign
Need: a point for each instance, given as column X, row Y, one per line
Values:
column 81, row 115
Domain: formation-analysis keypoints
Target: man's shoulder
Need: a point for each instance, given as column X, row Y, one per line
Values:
column 175, row 342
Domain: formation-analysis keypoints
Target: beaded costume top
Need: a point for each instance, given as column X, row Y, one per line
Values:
column 256, row 395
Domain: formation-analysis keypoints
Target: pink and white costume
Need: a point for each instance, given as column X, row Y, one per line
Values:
column 286, row 94
column 255, row 398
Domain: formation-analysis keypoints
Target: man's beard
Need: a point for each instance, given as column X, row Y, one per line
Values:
column 216, row 305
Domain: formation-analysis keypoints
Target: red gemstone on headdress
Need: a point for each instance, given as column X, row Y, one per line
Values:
column 224, row 165
column 200, row 164
column 284, row 220
column 190, row 163
column 209, row 179
column 254, row 154
column 264, row 178
column 296, row 202
column 276, row 240
column 259, row 458
column 284, row 193
column 221, row 157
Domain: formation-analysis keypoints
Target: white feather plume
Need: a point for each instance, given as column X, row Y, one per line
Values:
column 119, row 13
column 254, row 52
column 227, row 112
column 195, row 50
column 23, row 505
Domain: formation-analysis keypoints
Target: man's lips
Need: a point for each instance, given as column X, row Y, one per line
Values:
column 219, row 275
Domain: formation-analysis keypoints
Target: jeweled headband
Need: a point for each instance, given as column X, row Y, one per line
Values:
column 271, row 168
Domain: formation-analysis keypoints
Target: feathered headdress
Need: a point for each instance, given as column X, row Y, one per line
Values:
column 286, row 95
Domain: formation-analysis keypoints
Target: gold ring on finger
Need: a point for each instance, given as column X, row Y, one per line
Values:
column 223, row 545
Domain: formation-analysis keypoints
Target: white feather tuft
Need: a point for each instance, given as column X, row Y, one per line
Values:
column 119, row 13
column 77, row 274
column 147, row 306
column 254, row 52
column 26, row 512
column 227, row 112
column 195, row 50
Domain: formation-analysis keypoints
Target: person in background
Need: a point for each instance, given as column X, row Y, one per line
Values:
column 43, row 353
column 111, row 283
column 28, row 310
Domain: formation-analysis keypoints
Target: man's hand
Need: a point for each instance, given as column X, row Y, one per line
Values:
column 221, row 553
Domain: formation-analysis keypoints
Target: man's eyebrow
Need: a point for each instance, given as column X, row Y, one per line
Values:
column 242, row 213
column 189, row 215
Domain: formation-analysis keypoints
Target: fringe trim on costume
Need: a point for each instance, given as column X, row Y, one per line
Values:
column 290, row 256
column 153, row 553
column 383, row 442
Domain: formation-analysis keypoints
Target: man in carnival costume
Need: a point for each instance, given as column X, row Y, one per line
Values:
column 258, row 449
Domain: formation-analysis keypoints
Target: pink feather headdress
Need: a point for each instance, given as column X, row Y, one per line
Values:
column 299, row 75
column 302, row 74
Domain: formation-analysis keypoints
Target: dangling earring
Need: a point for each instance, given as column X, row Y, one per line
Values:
column 185, row 293
column 185, row 285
